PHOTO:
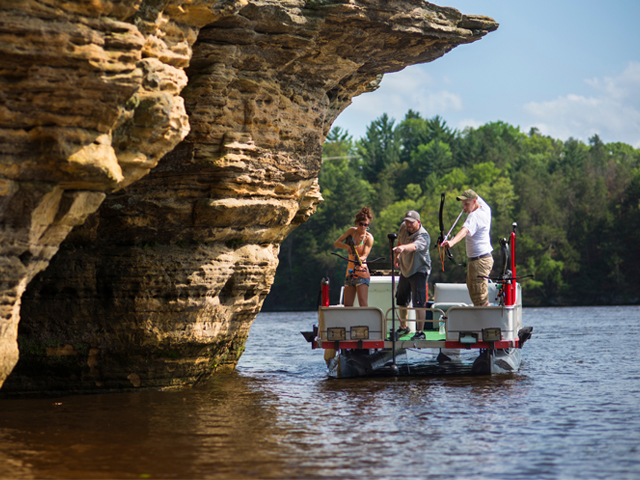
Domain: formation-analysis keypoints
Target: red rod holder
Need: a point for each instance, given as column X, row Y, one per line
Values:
column 325, row 292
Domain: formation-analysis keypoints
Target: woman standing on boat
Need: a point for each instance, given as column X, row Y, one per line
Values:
column 358, row 242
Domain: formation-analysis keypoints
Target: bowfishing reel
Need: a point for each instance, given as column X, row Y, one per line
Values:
column 507, row 279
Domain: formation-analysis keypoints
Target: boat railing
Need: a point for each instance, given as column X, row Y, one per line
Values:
column 437, row 315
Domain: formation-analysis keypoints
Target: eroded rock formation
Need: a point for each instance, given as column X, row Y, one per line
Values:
column 226, row 104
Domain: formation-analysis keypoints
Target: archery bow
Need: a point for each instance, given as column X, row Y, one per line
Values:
column 358, row 263
column 351, row 244
column 442, row 237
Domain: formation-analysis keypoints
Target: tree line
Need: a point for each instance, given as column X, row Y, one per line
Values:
column 576, row 205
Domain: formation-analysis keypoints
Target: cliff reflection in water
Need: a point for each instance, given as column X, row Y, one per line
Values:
column 221, row 431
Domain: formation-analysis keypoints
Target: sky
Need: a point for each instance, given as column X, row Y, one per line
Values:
column 570, row 68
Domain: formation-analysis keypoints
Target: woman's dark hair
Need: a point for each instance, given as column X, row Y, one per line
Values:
column 364, row 214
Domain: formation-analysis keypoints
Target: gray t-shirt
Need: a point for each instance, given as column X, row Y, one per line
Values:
column 418, row 261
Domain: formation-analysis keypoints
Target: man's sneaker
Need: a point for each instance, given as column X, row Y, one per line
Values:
column 419, row 336
column 400, row 332
column 403, row 331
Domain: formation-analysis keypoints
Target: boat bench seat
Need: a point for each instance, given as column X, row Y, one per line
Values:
column 449, row 295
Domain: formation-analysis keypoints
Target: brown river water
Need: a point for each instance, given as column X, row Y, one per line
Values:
column 572, row 411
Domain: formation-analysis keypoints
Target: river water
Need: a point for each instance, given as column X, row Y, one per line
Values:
column 572, row 411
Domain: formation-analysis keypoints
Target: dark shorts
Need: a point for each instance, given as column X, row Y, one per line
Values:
column 356, row 281
column 412, row 288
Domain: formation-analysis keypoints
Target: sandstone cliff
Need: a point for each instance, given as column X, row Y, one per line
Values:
column 162, row 150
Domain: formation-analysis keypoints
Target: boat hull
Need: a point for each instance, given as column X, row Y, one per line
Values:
column 362, row 363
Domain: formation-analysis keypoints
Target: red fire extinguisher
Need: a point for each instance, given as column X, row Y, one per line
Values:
column 325, row 292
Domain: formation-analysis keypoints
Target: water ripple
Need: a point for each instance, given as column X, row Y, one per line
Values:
column 570, row 412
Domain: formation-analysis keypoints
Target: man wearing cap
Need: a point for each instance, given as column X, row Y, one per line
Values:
column 476, row 232
column 412, row 256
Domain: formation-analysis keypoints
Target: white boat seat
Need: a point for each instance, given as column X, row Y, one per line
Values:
column 457, row 294
column 451, row 293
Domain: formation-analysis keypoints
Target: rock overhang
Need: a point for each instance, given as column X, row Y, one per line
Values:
column 227, row 104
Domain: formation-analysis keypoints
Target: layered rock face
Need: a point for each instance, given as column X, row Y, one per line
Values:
column 226, row 104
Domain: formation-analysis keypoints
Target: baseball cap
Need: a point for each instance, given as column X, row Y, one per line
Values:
column 412, row 216
column 468, row 195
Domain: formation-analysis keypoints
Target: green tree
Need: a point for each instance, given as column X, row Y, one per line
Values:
column 434, row 157
column 496, row 142
column 379, row 148
column 577, row 206
column 412, row 132
column 339, row 144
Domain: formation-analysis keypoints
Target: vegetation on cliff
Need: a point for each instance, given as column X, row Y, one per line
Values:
column 577, row 206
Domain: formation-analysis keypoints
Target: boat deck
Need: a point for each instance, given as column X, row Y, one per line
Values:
column 431, row 336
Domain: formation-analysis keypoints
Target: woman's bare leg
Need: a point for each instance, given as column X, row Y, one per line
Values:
column 349, row 296
column 363, row 295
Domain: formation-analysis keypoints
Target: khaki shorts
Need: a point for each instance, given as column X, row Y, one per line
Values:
column 478, row 286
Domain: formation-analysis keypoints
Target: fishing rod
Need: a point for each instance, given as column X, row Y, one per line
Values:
column 392, row 238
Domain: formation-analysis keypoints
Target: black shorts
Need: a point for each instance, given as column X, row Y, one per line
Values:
column 414, row 287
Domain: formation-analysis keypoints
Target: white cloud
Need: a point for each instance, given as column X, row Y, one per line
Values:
column 622, row 87
column 412, row 88
column 409, row 78
column 468, row 122
column 610, row 107
column 612, row 111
